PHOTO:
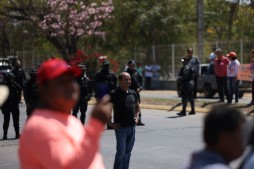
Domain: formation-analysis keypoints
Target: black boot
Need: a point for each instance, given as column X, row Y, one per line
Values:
column 182, row 113
column 140, row 123
column 5, row 135
column 17, row 134
column 192, row 112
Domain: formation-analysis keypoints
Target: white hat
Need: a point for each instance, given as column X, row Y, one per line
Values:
column 4, row 92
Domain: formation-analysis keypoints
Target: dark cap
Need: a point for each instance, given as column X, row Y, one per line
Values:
column 105, row 62
column 131, row 62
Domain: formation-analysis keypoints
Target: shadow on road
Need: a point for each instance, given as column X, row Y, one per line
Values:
column 211, row 103
column 175, row 106
column 174, row 117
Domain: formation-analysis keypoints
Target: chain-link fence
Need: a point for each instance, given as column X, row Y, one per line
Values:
column 169, row 56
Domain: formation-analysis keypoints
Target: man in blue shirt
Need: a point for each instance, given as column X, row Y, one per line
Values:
column 223, row 137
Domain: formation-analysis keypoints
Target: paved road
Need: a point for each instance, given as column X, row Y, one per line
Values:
column 164, row 143
column 171, row 94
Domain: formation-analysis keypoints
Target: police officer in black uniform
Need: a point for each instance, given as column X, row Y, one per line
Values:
column 106, row 79
column 11, row 106
column 20, row 76
column 31, row 93
column 104, row 82
column 185, row 82
column 86, row 91
column 136, row 83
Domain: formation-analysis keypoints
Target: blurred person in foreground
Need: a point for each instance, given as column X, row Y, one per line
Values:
column 126, row 110
column 248, row 161
column 223, row 136
column 54, row 139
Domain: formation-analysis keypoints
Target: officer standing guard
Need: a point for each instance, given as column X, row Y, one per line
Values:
column 136, row 84
column 86, row 91
column 195, row 63
column 11, row 106
column 104, row 82
column 186, row 84
column 31, row 93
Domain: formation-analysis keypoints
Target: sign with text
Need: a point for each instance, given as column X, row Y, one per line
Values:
column 246, row 72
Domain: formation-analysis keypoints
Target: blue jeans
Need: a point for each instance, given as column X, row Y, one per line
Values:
column 233, row 88
column 125, row 138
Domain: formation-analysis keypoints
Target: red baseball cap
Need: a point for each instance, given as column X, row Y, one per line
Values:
column 54, row 68
column 232, row 54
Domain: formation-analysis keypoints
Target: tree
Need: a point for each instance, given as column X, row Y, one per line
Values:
column 63, row 22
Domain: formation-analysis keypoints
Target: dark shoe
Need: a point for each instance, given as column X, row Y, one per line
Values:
column 4, row 137
column 192, row 113
column 17, row 136
column 140, row 123
column 221, row 101
column 181, row 113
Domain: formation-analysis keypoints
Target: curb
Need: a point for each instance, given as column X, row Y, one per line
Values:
column 163, row 107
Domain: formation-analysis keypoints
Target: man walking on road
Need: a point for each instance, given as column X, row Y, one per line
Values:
column 220, row 69
column 126, row 110
column 54, row 139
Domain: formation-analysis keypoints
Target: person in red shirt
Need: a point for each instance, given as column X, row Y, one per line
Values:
column 220, row 68
column 251, row 66
column 54, row 139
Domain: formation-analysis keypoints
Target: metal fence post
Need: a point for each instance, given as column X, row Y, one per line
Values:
column 173, row 61
column 153, row 50
column 241, row 51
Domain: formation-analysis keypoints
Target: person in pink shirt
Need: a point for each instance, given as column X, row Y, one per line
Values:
column 220, row 68
column 54, row 139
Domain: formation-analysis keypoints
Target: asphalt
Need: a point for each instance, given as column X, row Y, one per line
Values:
column 172, row 95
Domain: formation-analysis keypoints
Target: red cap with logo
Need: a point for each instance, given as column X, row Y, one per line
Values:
column 54, row 68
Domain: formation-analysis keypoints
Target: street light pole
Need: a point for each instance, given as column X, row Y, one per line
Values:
column 200, row 19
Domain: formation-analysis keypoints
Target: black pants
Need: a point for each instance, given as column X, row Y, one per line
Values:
column 82, row 106
column 187, row 95
column 222, row 87
column 14, row 110
column 148, row 83
column 195, row 79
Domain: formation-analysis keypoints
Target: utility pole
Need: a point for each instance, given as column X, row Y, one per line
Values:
column 200, row 20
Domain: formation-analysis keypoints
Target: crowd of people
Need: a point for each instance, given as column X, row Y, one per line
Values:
column 53, row 137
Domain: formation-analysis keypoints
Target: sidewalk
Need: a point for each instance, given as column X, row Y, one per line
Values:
column 172, row 95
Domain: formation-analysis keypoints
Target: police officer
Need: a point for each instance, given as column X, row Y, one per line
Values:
column 31, row 93
column 20, row 76
column 136, row 83
column 86, row 91
column 104, row 82
column 186, row 84
column 11, row 106
column 105, row 78
column 195, row 63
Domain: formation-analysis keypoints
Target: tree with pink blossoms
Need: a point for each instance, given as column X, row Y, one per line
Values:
column 63, row 22
column 69, row 20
